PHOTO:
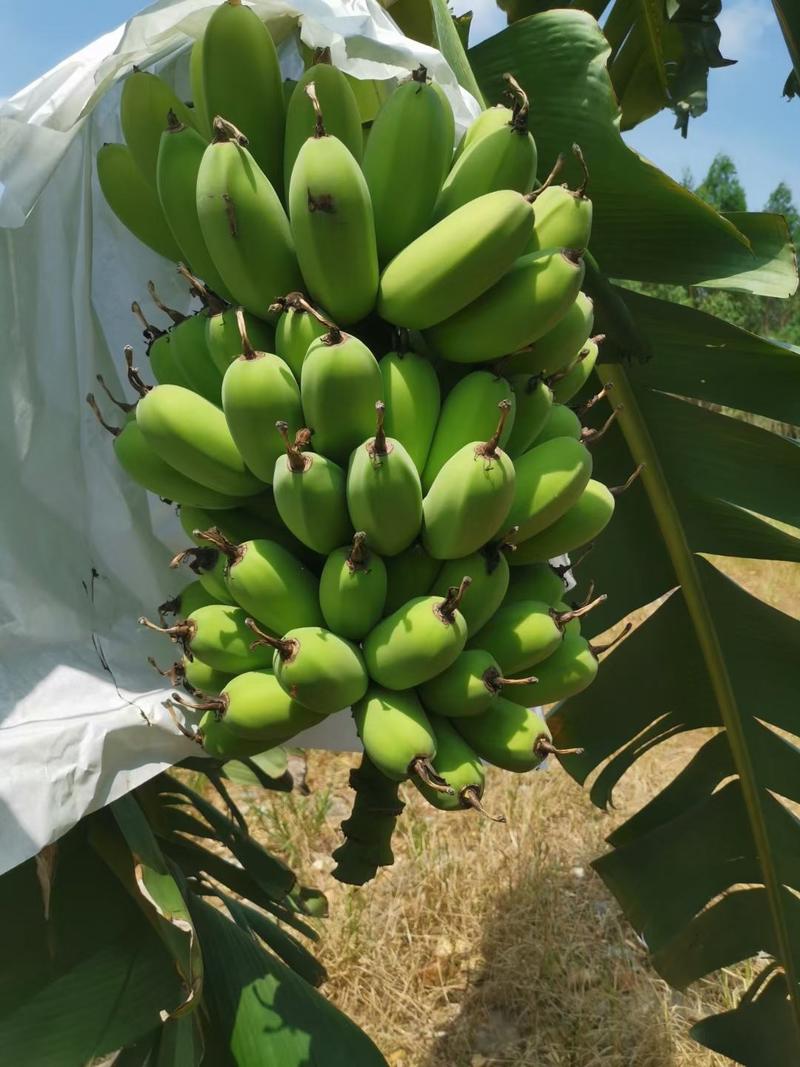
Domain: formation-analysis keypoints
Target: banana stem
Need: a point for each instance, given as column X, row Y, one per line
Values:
column 424, row 770
column 219, row 705
column 319, row 123
column 471, row 798
column 198, row 559
column 455, row 594
column 217, row 538
column 296, row 301
column 197, row 288
column 502, row 682
column 563, row 617
column 591, row 437
column 322, row 55
column 134, row 378
column 176, row 673
column 377, row 446
column 578, row 153
column 226, row 131
column 247, row 349
column 297, row 461
column 520, row 106
column 420, row 74
column 123, row 405
column 151, row 332
column 193, row 735
column 176, row 316
column 359, row 553
column 588, row 597
column 618, row 490
column 543, row 748
column 182, row 632
column 551, row 177
column 489, row 448
column 581, row 409
column 174, row 124
column 563, row 568
column 115, row 431
column 285, row 649
column 598, row 650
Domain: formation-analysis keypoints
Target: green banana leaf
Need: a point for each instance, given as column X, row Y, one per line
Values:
column 789, row 19
column 708, row 870
column 647, row 227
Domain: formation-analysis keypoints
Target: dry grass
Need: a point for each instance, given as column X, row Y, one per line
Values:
column 498, row 945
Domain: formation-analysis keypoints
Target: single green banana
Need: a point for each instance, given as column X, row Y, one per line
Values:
column 191, row 434
column 322, row 671
column 490, row 575
column 417, row 641
column 179, row 159
column 311, row 496
column 504, row 158
column 454, row 262
column 217, row 635
column 267, row 581
column 523, row 633
column 406, row 160
column 409, row 575
column 534, row 404
column 332, row 225
column 470, row 497
column 469, row 686
column 254, row 707
column 189, row 350
column 242, row 83
column 527, row 302
column 508, row 736
column 561, row 422
column 572, row 378
column 537, row 581
column 550, row 479
column 271, row 525
column 199, row 109
column 144, row 106
column 558, row 346
column 412, row 396
column 257, row 390
column 141, row 462
column 243, row 223
column 339, row 106
column 469, row 413
column 493, row 118
column 384, row 495
column 396, row 734
column 223, row 744
column 562, row 217
column 460, row 768
column 224, row 342
column 571, row 669
column 352, row 589
column 134, row 201
column 299, row 325
column 339, row 387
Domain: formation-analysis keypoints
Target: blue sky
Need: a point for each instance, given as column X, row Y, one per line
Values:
column 747, row 117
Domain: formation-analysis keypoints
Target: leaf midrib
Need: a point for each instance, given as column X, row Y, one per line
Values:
column 643, row 449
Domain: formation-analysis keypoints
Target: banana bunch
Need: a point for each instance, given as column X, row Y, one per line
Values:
column 367, row 425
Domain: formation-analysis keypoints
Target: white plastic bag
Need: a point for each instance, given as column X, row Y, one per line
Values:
column 83, row 552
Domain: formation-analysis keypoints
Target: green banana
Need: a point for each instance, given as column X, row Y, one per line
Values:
column 396, row 734
column 409, row 575
column 270, row 525
column 145, row 103
column 242, row 83
column 224, row 342
column 558, row 346
column 191, row 597
column 537, row 581
column 522, row 306
column 468, row 414
column 509, row 736
column 406, row 160
column 258, row 388
column 339, row 106
column 571, row 669
column 163, row 365
column 534, row 404
column 339, row 387
column 243, row 223
column 209, row 566
column 582, row 523
column 452, row 263
column 134, row 201
column 141, row 462
column 179, row 157
column 332, row 224
column 503, row 158
column 384, row 495
column 352, row 589
column 417, row 641
column 493, row 118
column 193, row 437
column 412, row 395
column 562, row 217
column 468, row 686
column 489, row 571
column 561, row 422
column 523, row 633
column 319, row 669
column 550, row 478
column 310, row 494
column 189, row 350
column 199, row 109
column 572, row 378
column 217, row 635
column 470, row 497
column 254, row 707
column 267, row 581
column 299, row 325
column 460, row 768
column 221, row 743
